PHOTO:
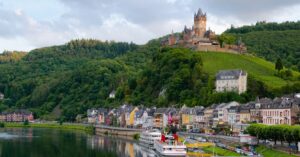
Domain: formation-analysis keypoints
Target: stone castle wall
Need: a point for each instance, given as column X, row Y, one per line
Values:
column 215, row 48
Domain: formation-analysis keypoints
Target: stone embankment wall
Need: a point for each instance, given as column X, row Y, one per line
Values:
column 101, row 129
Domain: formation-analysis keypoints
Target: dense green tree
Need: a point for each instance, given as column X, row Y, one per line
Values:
column 278, row 65
column 272, row 41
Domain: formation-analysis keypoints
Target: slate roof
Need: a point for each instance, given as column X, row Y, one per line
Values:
column 19, row 111
column 139, row 113
column 160, row 110
column 151, row 111
column 230, row 74
column 279, row 103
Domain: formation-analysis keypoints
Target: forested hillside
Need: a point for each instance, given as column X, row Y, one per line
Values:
column 272, row 41
column 64, row 81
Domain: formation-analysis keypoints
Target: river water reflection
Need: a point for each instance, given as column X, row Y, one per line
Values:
column 62, row 143
column 30, row 142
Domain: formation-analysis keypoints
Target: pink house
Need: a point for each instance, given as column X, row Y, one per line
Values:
column 281, row 111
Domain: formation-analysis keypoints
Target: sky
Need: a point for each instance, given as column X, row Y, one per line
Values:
column 30, row 24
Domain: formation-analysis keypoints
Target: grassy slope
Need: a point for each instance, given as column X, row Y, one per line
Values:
column 266, row 152
column 256, row 67
column 220, row 151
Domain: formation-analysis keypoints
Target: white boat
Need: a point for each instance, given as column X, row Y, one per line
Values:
column 148, row 137
column 169, row 148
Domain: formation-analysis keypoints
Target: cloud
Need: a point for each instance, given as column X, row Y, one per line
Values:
column 59, row 21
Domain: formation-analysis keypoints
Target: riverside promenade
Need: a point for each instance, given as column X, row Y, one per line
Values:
column 120, row 131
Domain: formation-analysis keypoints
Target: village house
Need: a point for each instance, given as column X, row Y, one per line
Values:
column 187, row 116
column 280, row 111
column 243, row 114
column 112, row 94
column 231, row 81
column 173, row 116
column 92, row 115
column 218, row 114
column 159, row 117
column 102, row 113
column 140, row 117
column 199, row 122
column 148, row 122
column 208, row 118
column 232, row 115
column 132, row 117
column 255, row 111
column 224, row 111
column 17, row 116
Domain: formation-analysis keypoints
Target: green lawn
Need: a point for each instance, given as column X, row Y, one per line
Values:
column 50, row 125
column 266, row 152
column 220, row 151
column 256, row 67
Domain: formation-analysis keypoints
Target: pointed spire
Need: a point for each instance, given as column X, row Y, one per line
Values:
column 199, row 12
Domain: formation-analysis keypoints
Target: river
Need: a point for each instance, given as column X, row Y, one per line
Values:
column 17, row 142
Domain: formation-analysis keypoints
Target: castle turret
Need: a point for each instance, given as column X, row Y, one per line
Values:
column 172, row 39
column 200, row 24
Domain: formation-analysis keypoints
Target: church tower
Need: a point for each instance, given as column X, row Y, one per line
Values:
column 200, row 24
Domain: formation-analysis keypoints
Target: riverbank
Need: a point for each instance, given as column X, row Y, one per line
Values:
column 66, row 126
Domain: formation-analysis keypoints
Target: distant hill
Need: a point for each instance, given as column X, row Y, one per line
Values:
column 272, row 41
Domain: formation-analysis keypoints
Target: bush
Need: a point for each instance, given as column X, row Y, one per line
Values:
column 2, row 125
column 26, row 123
column 136, row 136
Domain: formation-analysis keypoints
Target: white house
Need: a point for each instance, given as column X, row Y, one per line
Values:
column 223, row 114
column 148, row 122
column 92, row 115
column 1, row 96
column 232, row 115
column 140, row 117
column 231, row 80
column 112, row 94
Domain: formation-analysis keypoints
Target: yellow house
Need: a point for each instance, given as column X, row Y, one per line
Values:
column 132, row 116
column 185, row 118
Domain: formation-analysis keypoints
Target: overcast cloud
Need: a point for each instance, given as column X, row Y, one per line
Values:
column 28, row 24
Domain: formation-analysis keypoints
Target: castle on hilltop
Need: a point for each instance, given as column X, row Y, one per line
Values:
column 199, row 38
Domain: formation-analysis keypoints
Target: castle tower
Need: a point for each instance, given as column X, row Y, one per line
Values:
column 200, row 24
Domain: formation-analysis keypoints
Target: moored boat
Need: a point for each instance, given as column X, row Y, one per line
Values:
column 148, row 137
column 169, row 148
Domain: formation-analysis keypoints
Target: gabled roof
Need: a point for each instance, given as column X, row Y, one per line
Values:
column 139, row 113
column 160, row 110
column 150, row 111
column 199, row 110
column 279, row 103
column 232, row 109
column 103, row 111
column 18, row 111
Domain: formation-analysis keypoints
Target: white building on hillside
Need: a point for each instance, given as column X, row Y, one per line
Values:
column 231, row 81
column 1, row 96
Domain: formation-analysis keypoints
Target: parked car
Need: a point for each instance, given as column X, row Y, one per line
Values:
column 249, row 154
column 221, row 145
column 238, row 150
